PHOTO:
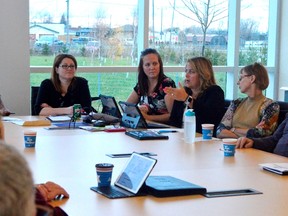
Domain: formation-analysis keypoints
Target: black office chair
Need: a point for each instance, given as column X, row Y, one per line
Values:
column 94, row 99
column 34, row 93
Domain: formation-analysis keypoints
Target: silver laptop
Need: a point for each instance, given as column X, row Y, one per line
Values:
column 131, row 179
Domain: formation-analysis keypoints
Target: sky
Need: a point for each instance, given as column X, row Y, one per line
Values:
column 83, row 12
column 119, row 12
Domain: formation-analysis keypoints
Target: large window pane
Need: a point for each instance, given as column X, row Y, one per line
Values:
column 182, row 29
column 254, row 31
column 104, row 32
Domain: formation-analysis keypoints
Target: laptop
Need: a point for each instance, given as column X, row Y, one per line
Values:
column 133, row 118
column 110, row 106
column 131, row 179
column 110, row 110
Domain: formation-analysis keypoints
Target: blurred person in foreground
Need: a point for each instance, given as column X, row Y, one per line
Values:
column 58, row 94
column 19, row 196
column 276, row 143
column 148, row 92
column 1, row 130
column 200, row 93
column 254, row 115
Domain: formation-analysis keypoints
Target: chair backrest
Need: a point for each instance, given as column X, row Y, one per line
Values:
column 283, row 111
column 34, row 93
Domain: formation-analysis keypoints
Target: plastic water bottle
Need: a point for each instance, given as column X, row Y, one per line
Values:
column 189, row 126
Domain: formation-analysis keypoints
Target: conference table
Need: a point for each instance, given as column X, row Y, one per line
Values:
column 68, row 157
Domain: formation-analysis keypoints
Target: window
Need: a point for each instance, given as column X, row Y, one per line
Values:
column 234, row 36
column 253, row 32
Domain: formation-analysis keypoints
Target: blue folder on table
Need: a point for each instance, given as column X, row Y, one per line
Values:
column 67, row 125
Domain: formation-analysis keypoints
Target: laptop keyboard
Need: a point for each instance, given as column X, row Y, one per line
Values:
column 111, row 192
column 143, row 133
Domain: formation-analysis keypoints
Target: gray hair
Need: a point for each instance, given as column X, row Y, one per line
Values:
column 16, row 183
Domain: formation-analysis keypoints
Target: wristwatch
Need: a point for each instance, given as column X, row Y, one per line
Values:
column 188, row 100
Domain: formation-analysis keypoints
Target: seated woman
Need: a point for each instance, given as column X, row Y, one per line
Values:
column 57, row 95
column 3, row 110
column 254, row 115
column 148, row 92
column 200, row 94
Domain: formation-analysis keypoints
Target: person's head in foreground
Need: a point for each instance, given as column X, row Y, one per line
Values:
column 16, row 184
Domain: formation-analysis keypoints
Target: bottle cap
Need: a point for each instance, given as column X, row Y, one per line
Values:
column 189, row 112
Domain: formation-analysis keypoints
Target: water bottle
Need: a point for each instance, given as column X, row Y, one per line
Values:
column 189, row 126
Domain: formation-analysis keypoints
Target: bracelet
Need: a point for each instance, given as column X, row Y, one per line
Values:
column 188, row 100
column 233, row 130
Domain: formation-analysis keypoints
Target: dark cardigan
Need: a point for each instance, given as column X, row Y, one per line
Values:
column 208, row 108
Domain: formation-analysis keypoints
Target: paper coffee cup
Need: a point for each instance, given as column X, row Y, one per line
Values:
column 30, row 138
column 104, row 174
column 229, row 146
column 207, row 131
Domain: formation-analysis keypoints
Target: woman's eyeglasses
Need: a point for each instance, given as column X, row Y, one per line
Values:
column 243, row 76
column 67, row 66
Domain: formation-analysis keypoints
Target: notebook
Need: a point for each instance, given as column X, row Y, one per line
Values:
column 146, row 135
column 132, row 117
column 131, row 179
column 278, row 168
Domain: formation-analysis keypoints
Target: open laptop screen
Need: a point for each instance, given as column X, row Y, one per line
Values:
column 135, row 172
column 110, row 106
column 132, row 117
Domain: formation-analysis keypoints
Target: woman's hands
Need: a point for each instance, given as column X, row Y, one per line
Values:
column 144, row 108
column 244, row 142
column 176, row 93
column 51, row 191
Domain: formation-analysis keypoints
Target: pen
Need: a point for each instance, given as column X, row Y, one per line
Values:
column 167, row 131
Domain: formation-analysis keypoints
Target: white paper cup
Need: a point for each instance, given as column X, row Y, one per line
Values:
column 30, row 138
column 229, row 145
column 207, row 131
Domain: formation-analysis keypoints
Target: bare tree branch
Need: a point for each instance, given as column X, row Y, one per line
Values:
column 205, row 16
